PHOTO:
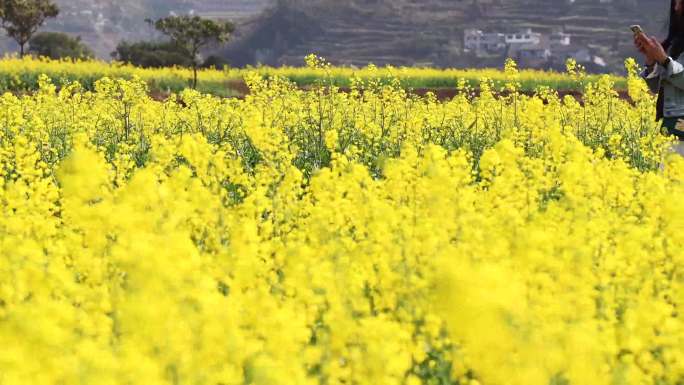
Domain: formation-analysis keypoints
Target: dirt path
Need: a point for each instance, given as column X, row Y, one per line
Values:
column 442, row 94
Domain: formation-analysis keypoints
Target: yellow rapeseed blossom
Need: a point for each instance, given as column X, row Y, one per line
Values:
column 319, row 237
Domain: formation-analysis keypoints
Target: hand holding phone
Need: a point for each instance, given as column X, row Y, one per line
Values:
column 640, row 38
column 648, row 46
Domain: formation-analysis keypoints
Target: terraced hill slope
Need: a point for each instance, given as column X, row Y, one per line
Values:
column 413, row 32
column 356, row 32
column 103, row 23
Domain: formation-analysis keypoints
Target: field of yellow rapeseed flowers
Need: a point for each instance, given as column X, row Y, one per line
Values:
column 317, row 237
column 22, row 74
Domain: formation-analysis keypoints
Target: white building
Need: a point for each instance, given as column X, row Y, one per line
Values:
column 481, row 42
column 525, row 36
column 471, row 39
column 559, row 39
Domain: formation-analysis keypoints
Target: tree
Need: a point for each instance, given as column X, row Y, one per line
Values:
column 22, row 18
column 150, row 54
column 192, row 33
column 57, row 45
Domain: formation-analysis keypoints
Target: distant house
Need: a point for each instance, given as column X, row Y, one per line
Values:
column 559, row 39
column 563, row 53
column 484, row 42
column 471, row 39
column 531, row 49
column 493, row 42
column 525, row 36
column 582, row 55
column 530, row 54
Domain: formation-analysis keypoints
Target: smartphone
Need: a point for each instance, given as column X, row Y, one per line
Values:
column 636, row 28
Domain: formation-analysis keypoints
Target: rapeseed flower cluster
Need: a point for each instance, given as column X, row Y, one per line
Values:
column 319, row 237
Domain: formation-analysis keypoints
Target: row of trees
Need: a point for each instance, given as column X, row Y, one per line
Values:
column 186, row 37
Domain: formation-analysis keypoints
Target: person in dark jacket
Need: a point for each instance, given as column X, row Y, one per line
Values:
column 664, row 72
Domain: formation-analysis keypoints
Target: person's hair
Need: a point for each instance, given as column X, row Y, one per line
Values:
column 675, row 33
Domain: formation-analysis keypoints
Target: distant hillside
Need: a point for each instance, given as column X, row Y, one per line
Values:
column 430, row 32
column 103, row 23
column 356, row 32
